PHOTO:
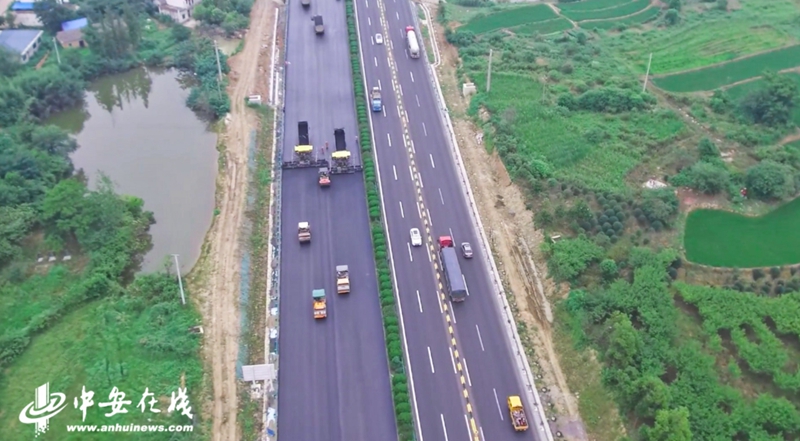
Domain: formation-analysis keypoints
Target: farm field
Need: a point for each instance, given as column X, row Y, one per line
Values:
column 724, row 239
column 589, row 5
column 544, row 27
column 640, row 18
column 703, row 41
column 509, row 18
column 738, row 91
column 617, row 11
column 561, row 142
column 715, row 77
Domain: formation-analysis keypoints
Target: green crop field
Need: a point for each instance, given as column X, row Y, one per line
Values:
column 510, row 18
column 544, row 27
column 618, row 11
column 642, row 17
column 725, row 239
column 562, row 142
column 740, row 90
column 714, row 77
column 590, row 5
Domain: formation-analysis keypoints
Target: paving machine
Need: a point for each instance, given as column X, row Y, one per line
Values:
column 320, row 305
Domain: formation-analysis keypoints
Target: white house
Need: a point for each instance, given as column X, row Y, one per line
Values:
column 21, row 42
column 179, row 10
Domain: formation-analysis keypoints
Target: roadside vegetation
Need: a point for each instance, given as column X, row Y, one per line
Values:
column 391, row 323
column 611, row 172
column 75, row 311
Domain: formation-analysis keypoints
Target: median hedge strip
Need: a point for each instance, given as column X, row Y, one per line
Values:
column 394, row 349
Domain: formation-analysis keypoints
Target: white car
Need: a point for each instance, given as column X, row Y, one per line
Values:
column 416, row 237
column 378, row 39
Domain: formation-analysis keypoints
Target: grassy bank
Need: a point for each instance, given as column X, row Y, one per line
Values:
column 255, row 320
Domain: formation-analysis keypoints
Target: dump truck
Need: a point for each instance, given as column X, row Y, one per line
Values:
column 305, row 3
column 302, row 133
column 453, row 278
column 413, row 45
column 320, row 306
column 517, row 412
column 338, row 137
column 304, row 232
column 377, row 104
column 324, row 178
column 342, row 279
column 319, row 28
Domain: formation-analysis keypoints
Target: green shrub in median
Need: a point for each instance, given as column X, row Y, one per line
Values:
column 394, row 350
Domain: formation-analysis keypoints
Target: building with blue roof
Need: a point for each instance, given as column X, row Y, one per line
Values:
column 22, row 6
column 71, row 25
column 21, row 42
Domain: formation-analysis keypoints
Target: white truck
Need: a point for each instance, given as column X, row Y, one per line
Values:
column 413, row 44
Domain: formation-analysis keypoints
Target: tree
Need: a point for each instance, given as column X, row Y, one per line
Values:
column 624, row 343
column 62, row 209
column 672, row 17
column 15, row 223
column 180, row 33
column 703, row 176
column 117, row 31
column 674, row 4
column 708, row 150
column 652, row 395
column 52, row 14
column 659, row 205
column 773, row 103
column 570, row 257
column 671, row 425
column 9, row 64
column 609, row 269
column 770, row 180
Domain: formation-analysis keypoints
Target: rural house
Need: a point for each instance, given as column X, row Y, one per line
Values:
column 71, row 35
column 24, row 14
column 21, row 42
column 179, row 10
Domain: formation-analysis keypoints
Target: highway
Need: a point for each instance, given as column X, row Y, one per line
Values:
column 334, row 376
column 491, row 373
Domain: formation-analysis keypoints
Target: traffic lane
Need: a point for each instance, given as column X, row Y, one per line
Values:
column 450, row 216
column 360, row 344
column 436, row 388
column 319, row 78
column 304, row 342
column 449, row 402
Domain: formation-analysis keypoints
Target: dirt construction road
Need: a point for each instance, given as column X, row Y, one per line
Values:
column 218, row 276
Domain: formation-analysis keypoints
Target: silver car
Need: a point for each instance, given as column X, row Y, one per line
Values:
column 416, row 237
column 378, row 39
column 466, row 250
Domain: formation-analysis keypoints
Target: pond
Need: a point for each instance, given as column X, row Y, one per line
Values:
column 135, row 128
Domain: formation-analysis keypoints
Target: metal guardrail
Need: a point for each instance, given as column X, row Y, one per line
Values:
column 504, row 309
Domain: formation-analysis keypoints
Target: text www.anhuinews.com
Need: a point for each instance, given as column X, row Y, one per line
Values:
column 130, row 428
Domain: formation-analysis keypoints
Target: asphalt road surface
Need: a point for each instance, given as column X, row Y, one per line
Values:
column 334, row 376
column 491, row 371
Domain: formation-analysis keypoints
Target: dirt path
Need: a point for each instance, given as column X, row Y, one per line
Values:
column 502, row 209
column 558, row 13
column 218, row 291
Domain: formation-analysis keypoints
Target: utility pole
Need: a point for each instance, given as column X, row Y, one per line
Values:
column 55, row 45
column 219, row 68
column 489, row 73
column 180, row 282
column 644, row 87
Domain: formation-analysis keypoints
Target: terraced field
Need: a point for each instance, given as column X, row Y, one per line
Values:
column 510, row 18
column 590, row 5
column 714, row 77
column 621, row 10
column 640, row 18
column 544, row 27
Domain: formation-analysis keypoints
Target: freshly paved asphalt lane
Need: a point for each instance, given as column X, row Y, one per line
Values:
column 437, row 391
column 482, row 340
column 333, row 378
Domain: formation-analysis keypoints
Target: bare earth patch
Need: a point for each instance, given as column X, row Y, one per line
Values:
column 215, row 280
column 516, row 244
